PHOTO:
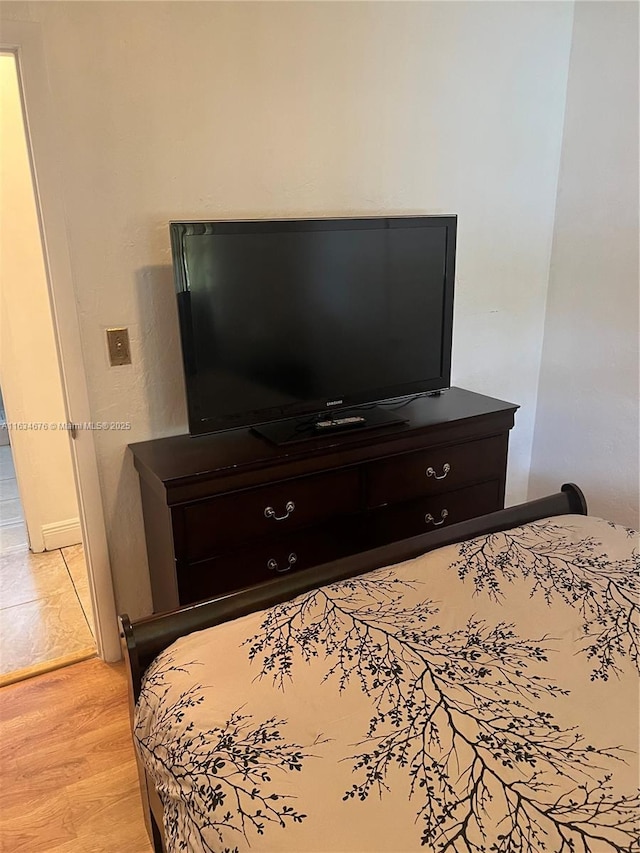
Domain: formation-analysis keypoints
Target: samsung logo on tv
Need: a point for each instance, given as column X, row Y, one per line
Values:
column 333, row 403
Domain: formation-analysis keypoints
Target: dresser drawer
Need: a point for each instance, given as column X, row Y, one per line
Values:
column 213, row 525
column 429, row 513
column 267, row 560
column 428, row 472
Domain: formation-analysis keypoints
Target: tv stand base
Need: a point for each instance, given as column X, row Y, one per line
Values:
column 304, row 429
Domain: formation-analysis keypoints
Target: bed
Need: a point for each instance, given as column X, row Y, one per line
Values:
column 474, row 689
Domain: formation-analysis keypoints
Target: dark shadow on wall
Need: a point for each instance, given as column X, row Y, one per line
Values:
column 127, row 549
column 160, row 353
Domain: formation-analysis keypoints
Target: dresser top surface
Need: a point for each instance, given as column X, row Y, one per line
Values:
column 184, row 457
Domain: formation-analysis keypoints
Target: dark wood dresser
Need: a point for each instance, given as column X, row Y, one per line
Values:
column 227, row 511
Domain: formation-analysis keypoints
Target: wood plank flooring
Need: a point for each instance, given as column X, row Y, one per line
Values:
column 68, row 779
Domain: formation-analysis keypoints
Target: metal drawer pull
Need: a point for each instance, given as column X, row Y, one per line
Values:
column 269, row 511
column 273, row 564
column 430, row 472
column 429, row 519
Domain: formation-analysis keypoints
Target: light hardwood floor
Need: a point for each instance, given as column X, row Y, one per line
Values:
column 68, row 778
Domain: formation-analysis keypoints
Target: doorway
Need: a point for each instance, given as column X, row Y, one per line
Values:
column 43, row 578
column 23, row 41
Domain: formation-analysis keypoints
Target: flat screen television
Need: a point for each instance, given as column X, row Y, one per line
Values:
column 289, row 319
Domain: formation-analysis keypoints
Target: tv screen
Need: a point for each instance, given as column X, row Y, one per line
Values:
column 284, row 318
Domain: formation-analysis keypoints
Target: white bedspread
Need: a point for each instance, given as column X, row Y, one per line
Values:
column 483, row 697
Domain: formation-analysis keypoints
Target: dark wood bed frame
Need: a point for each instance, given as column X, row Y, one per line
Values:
column 144, row 639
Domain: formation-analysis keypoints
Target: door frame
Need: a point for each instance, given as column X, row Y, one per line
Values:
column 24, row 40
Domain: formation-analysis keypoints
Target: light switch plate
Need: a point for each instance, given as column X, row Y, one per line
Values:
column 119, row 349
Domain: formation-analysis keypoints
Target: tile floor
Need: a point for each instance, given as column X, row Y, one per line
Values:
column 45, row 609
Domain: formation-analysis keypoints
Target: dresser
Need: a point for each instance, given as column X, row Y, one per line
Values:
column 227, row 511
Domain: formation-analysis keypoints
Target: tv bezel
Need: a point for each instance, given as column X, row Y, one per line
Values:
column 204, row 425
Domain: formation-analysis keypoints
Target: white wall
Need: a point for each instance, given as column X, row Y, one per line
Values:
column 203, row 110
column 29, row 373
column 587, row 421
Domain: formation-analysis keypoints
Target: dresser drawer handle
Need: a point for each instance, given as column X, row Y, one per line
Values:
column 269, row 511
column 429, row 519
column 273, row 564
column 430, row 472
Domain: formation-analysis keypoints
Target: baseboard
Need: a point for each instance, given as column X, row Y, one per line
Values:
column 61, row 534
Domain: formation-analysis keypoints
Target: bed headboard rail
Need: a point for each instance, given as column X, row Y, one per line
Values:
column 146, row 638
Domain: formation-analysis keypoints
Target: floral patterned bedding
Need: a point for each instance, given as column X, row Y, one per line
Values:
column 483, row 697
